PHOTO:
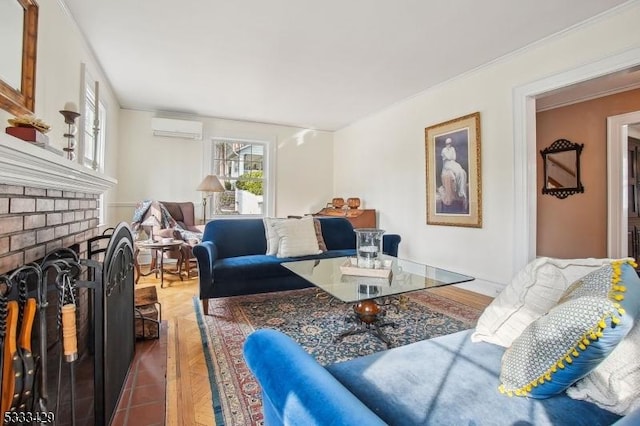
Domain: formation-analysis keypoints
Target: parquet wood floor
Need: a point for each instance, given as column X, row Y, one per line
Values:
column 188, row 392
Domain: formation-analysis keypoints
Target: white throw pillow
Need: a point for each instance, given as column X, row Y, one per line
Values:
column 297, row 237
column 615, row 384
column 532, row 293
column 271, row 235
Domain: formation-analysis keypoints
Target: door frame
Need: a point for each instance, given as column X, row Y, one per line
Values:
column 617, row 181
column 524, row 150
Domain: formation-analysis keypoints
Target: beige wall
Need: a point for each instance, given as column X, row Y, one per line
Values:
column 381, row 158
column 61, row 51
column 577, row 226
column 169, row 169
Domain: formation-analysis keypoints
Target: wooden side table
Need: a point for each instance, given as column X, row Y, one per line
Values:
column 158, row 248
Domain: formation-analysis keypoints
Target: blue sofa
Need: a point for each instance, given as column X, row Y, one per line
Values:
column 232, row 260
column 446, row 380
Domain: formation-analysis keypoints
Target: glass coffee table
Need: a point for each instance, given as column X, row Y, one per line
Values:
column 372, row 295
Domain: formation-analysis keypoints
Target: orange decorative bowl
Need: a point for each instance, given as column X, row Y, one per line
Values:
column 337, row 203
column 353, row 203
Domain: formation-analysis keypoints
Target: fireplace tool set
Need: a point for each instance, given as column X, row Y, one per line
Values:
column 28, row 302
column 23, row 369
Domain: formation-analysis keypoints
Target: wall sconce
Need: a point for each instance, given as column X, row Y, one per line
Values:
column 70, row 113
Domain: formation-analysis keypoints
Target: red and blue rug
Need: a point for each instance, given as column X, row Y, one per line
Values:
column 314, row 320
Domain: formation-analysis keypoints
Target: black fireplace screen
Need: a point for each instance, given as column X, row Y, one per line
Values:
column 43, row 370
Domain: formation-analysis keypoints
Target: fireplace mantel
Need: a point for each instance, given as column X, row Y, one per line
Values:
column 24, row 164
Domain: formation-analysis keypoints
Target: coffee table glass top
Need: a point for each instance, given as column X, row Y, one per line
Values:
column 405, row 276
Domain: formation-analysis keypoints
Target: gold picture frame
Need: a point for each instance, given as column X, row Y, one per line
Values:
column 453, row 179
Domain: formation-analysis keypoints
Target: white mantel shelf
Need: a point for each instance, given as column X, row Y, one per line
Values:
column 24, row 164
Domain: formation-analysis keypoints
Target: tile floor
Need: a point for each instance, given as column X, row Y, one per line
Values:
column 142, row 403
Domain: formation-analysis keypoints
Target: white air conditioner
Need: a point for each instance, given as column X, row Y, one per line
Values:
column 173, row 128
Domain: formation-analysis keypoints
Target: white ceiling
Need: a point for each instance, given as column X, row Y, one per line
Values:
column 319, row 64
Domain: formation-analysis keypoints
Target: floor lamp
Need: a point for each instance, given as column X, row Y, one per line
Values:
column 209, row 185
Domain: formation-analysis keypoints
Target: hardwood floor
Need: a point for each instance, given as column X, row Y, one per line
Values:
column 188, row 391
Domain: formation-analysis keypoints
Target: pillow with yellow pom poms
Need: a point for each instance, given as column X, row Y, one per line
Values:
column 567, row 343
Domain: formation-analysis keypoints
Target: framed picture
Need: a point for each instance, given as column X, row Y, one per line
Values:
column 454, row 195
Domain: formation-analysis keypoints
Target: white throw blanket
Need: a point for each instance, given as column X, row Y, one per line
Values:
column 532, row 292
column 615, row 384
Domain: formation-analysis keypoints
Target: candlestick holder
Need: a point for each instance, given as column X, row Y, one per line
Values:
column 70, row 118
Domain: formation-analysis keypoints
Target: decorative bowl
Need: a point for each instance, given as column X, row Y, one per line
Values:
column 353, row 203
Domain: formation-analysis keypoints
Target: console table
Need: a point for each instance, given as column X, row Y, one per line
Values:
column 359, row 218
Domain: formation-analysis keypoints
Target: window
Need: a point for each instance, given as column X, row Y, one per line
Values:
column 94, row 125
column 243, row 168
column 93, row 130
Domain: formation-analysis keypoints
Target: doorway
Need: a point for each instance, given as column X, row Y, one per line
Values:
column 623, row 184
column 633, row 223
column 525, row 154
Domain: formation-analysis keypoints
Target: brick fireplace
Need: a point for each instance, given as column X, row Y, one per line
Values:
column 47, row 202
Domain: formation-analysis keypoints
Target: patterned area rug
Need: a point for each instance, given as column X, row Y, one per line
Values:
column 314, row 320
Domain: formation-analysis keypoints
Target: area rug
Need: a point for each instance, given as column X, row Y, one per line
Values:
column 314, row 320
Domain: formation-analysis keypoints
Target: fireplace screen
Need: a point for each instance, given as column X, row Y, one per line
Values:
column 67, row 334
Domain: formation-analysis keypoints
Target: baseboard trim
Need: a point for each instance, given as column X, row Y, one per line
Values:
column 488, row 288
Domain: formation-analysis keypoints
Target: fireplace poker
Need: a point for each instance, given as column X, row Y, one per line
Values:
column 69, row 346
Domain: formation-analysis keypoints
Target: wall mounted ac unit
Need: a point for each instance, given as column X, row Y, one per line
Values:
column 173, row 128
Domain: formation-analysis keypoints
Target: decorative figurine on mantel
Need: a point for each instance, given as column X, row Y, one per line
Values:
column 28, row 128
column 70, row 113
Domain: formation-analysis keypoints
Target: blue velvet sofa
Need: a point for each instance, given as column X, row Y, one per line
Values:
column 447, row 380
column 232, row 260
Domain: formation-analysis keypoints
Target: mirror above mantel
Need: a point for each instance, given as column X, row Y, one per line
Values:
column 561, row 163
column 19, row 21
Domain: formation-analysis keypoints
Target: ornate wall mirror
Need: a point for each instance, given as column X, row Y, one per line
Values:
column 19, row 34
column 562, row 168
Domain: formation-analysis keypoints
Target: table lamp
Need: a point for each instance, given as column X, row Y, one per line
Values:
column 151, row 222
column 209, row 185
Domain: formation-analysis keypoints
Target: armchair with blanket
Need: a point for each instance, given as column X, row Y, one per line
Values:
column 177, row 221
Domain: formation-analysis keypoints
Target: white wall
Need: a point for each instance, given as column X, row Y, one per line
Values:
column 61, row 50
column 388, row 149
column 169, row 169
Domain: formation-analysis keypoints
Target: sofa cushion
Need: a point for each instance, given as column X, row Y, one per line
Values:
column 259, row 266
column 236, row 237
column 553, row 352
column 248, row 267
column 338, row 233
column 532, row 292
column 297, row 237
column 450, row 380
column 318, row 228
column 271, row 235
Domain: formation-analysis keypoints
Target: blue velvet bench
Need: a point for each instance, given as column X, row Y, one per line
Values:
column 232, row 260
column 448, row 380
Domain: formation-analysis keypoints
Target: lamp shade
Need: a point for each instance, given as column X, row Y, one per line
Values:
column 211, row 183
column 151, row 221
